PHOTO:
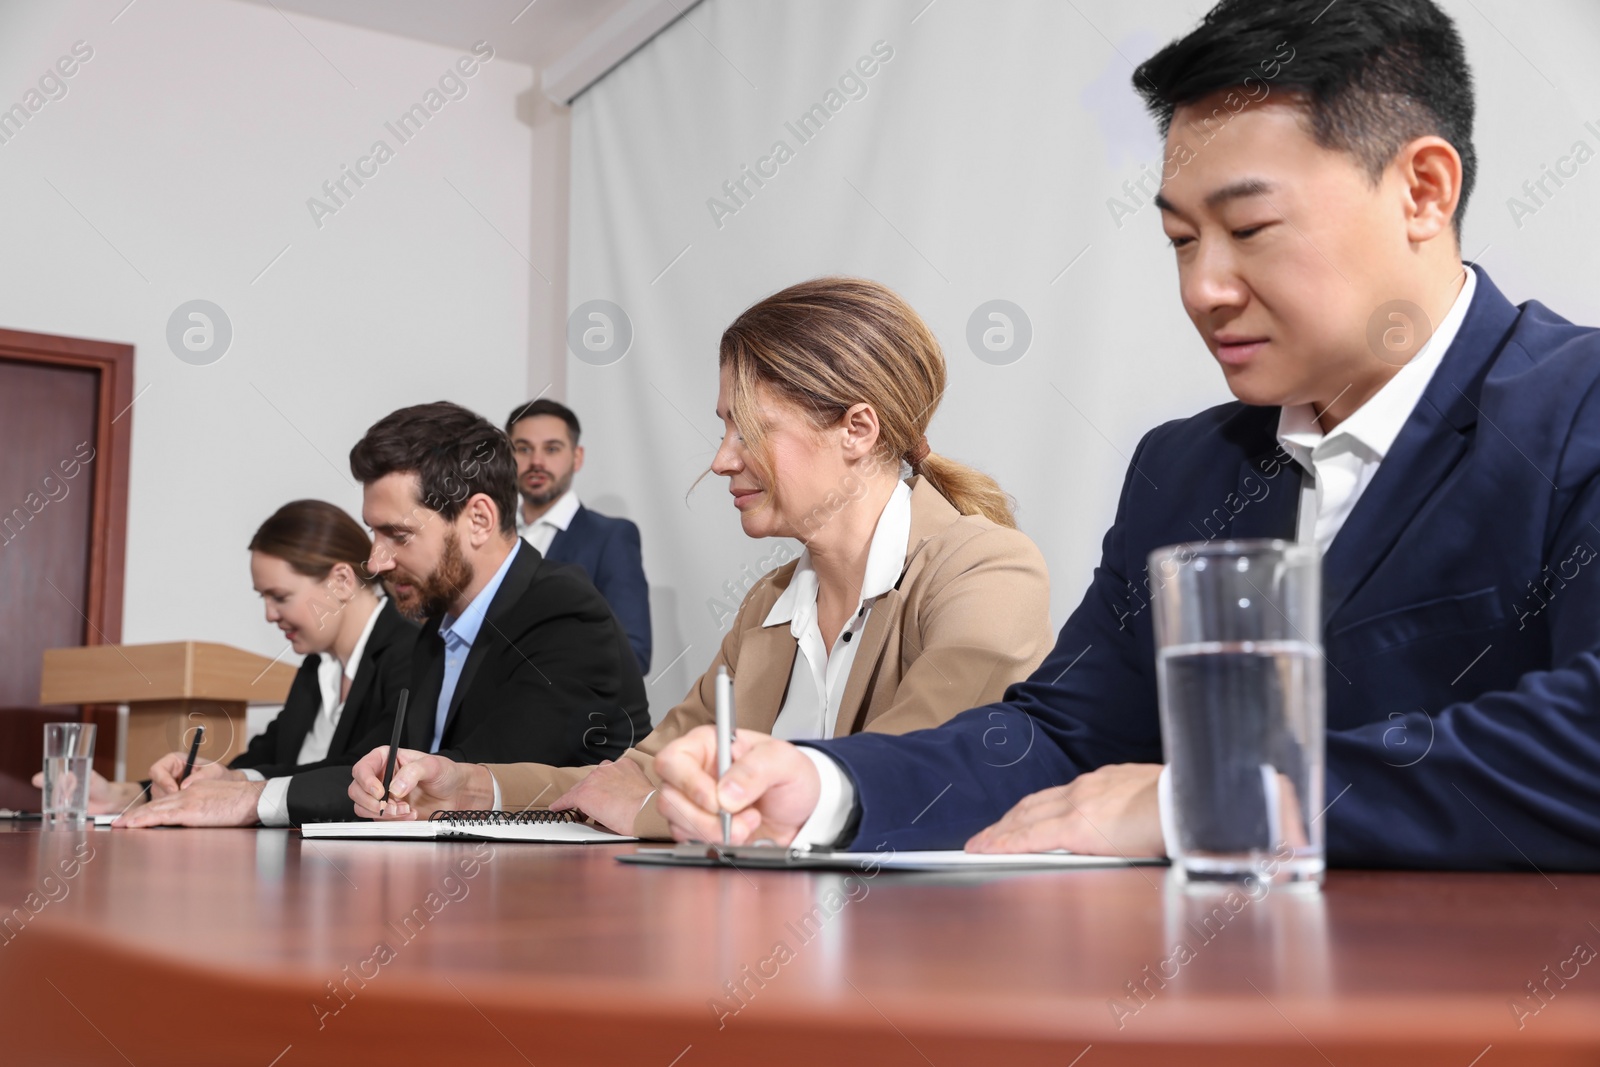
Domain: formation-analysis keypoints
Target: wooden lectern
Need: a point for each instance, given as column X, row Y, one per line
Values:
column 169, row 689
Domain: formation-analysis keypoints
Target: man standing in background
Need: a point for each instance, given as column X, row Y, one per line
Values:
column 544, row 439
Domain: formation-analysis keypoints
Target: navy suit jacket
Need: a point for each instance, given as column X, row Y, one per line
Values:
column 608, row 550
column 1461, row 623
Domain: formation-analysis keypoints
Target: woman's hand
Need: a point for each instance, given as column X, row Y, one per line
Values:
column 164, row 773
column 105, row 797
column 610, row 794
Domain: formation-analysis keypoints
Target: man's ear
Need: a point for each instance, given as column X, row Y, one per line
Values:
column 482, row 520
column 1430, row 170
column 861, row 431
column 577, row 459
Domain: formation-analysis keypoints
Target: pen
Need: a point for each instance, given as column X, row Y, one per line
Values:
column 724, row 743
column 194, row 750
column 394, row 743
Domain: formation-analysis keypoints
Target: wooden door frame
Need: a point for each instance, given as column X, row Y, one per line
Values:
column 108, row 516
column 108, row 524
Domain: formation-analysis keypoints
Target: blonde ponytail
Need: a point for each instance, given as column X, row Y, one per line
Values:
column 831, row 343
column 969, row 490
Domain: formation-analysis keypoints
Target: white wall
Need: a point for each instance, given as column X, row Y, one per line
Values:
column 977, row 166
column 190, row 144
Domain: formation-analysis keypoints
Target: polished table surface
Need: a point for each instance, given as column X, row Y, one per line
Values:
column 225, row 946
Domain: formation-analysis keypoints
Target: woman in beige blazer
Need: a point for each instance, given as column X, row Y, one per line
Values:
column 912, row 600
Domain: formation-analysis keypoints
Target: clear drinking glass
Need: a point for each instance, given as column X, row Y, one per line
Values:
column 68, row 756
column 1239, row 672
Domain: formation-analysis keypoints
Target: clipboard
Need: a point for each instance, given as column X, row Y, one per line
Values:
column 782, row 857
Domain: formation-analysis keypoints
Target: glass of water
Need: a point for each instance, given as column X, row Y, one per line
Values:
column 1239, row 672
column 68, row 756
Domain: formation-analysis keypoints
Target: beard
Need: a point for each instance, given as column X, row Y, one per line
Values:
column 553, row 490
column 432, row 596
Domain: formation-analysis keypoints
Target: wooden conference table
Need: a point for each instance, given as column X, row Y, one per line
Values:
column 218, row 946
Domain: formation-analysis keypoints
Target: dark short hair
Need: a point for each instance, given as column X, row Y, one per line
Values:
column 1372, row 75
column 454, row 453
column 312, row 536
column 546, row 407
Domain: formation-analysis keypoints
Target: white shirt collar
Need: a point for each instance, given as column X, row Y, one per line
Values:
column 1375, row 424
column 886, row 558
column 560, row 513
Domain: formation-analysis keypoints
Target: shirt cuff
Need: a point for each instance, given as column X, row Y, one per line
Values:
column 835, row 804
column 273, row 807
column 495, row 804
column 252, row 775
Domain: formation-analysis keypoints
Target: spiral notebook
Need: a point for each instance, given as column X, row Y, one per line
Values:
column 550, row 827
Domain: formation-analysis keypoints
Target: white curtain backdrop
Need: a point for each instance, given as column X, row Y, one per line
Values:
column 979, row 161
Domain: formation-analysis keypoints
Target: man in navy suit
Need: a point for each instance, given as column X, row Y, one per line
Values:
column 544, row 436
column 1441, row 445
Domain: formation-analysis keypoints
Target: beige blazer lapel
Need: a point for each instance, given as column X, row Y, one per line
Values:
column 930, row 513
column 767, row 654
column 882, row 624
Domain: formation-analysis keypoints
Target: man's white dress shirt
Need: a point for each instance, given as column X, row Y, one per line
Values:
column 542, row 531
column 1341, row 463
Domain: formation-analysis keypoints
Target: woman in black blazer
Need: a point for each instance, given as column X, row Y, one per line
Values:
column 308, row 562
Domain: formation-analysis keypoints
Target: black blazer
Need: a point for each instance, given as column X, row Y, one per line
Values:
column 549, row 679
column 320, row 790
